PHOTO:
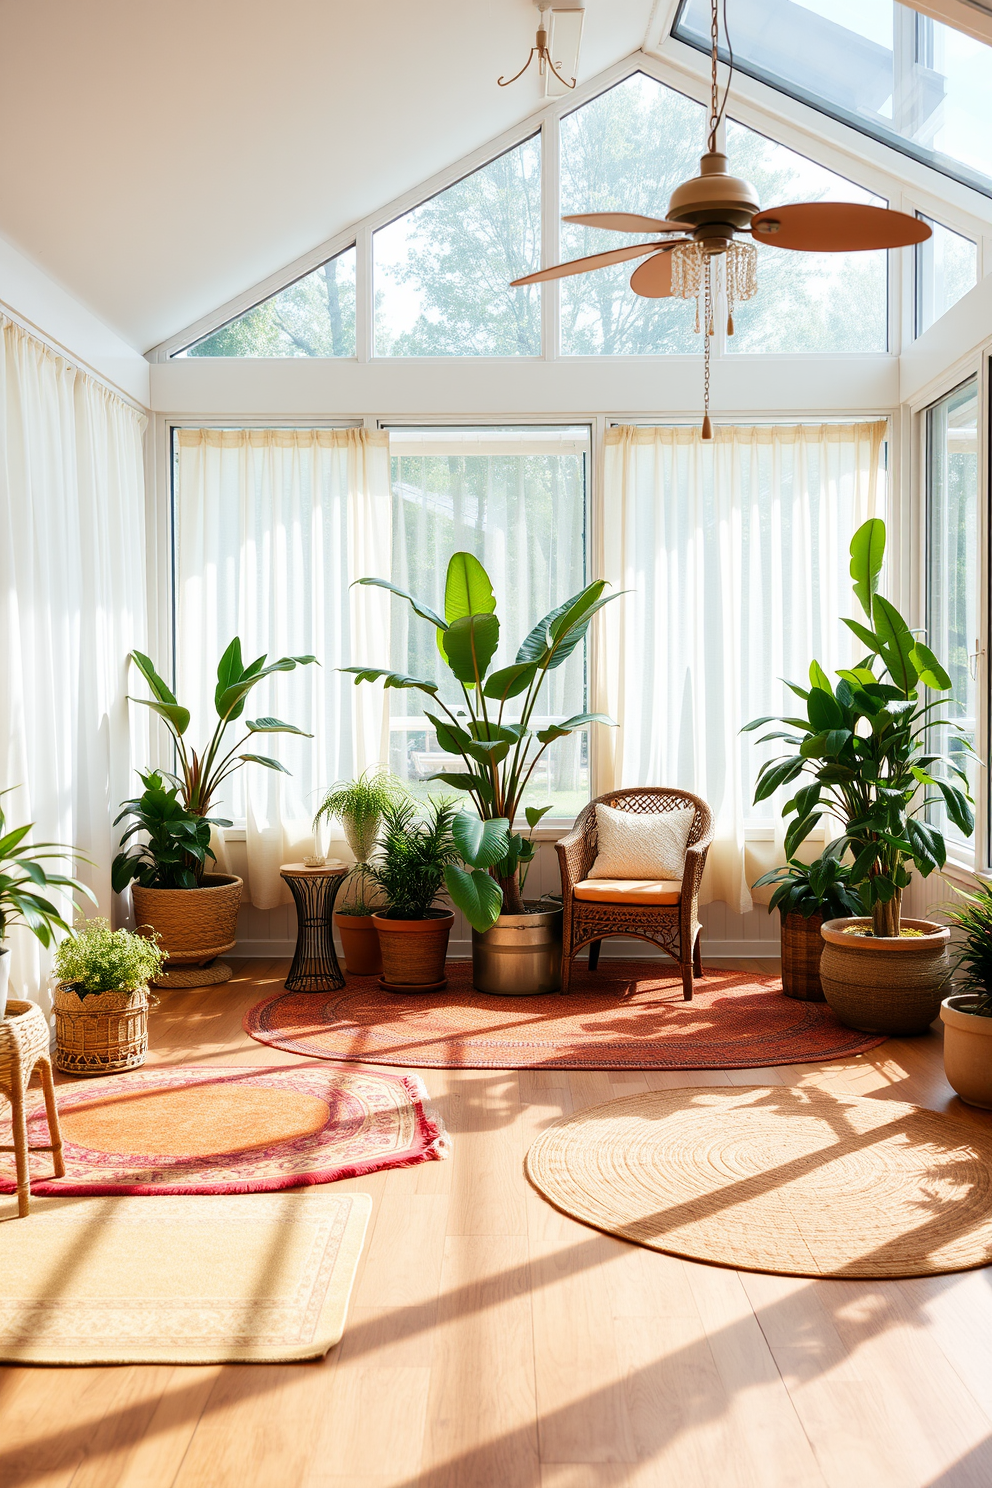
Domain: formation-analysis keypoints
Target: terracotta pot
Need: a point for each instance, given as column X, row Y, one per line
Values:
column 101, row 1032
column 967, row 1051
column 891, row 985
column 195, row 925
column 802, row 946
column 413, row 951
column 360, row 943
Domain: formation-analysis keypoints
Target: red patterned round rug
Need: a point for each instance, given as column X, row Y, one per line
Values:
column 230, row 1129
column 624, row 1016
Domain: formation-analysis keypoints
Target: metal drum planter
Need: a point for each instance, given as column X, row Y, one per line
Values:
column 520, row 956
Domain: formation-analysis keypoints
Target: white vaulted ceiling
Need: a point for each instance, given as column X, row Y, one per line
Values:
column 157, row 157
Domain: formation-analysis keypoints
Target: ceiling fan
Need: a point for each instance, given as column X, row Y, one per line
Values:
column 700, row 238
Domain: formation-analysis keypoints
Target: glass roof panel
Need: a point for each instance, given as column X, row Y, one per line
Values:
column 909, row 81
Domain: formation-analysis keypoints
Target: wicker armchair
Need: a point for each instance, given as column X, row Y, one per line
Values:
column 673, row 927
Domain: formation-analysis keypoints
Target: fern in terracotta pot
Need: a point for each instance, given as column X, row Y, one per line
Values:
column 359, row 805
column 408, row 868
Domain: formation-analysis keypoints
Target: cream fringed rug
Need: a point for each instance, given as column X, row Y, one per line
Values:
column 797, row 1182
column 247, row 1278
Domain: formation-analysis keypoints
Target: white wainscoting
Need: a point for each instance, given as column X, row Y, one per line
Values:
column 272, row 932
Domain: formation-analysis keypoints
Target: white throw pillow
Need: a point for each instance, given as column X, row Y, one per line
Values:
column 641, row 845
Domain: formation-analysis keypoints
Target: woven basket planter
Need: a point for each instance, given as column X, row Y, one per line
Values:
column 194, row 925
column 891, row 986
column 101, row 1033
column 802, row 946
column 413, row 951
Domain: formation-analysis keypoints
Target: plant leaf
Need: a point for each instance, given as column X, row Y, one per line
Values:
column 559, row 730
column 388, row 678
column 482, row 844
column 230, row 670
column 867, row 553
column 470, row 645
column 424, row 611
column 274, row 726
column 510, row 681
column 147, row 669
column 468, row 589
column 264, row 759
column 897, row 643
column 476, row 894
column 173, row 713
column 534, row 814
column 929, row 669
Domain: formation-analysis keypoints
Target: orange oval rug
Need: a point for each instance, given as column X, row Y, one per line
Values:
column 230, row 1129
column 624, row 1016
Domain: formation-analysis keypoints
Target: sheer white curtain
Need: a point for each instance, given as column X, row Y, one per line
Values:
column 72, row 591
column 735, row 555
column 272, row 527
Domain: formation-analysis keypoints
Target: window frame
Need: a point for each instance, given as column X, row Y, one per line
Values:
column 679, row 66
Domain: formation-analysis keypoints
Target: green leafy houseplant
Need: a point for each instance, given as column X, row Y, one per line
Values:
column 177, row 839
column 864, row 747
column 499, row 753
column 93, row 959
column 807, row 889
column 201, row 774
column 416, row 847
column 971, row 925
column 359, row 805
column 25, row 879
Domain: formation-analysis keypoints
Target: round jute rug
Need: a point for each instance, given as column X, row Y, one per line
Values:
column 627, row 1015
column 797, row 1182
column 230, row 1129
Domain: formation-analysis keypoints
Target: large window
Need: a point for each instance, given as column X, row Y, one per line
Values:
column 953, row 564
column 315, row 317
column 516, row 498
column 806, row 302
column 442, row 272
column 886, row 69
column 946, row 268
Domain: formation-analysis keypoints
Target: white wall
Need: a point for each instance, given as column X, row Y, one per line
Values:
column 51, row 312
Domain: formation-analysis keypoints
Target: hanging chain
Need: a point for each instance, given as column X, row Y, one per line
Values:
column 714, row 90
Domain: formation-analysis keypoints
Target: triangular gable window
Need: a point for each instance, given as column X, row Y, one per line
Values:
column 314, row 317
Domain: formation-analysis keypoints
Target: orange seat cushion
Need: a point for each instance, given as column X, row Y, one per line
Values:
column 645, row 891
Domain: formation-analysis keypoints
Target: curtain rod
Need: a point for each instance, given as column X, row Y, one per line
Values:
column 84, row 368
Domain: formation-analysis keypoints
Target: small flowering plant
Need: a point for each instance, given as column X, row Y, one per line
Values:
column 93, row 959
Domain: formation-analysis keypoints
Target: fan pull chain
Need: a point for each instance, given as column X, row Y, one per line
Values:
column 707, row 430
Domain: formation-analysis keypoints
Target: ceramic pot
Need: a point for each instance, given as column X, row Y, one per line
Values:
column 4, row 978
column 892, row 986
column 413, row 951
column 967, row 1051
column 360, row 943
column 520, row 956
column 802, row 946
column 194, row 925
column 100, row 1033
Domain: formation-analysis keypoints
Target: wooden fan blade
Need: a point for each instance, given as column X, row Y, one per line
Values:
column 626, row 222
column 836, row 227
column 653, row 279
column 584, row 265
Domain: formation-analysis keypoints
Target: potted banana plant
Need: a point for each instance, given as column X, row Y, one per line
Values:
column 192, row 910
column 499, row 749
column 865, row 749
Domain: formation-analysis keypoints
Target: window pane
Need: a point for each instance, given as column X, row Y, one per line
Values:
column 516, row 498
column 315, row 317
column 442, row 272
column 946, row 268
column 952, row 560
column 895, row 74
column 625, row 151
column 825, row 302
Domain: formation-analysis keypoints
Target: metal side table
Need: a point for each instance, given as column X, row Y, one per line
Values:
column 315, row 965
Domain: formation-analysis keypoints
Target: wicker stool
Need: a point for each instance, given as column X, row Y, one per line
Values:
column 24, row 1044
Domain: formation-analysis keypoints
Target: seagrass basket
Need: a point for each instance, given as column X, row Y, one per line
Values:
column 802, row 946
column 102, row 1033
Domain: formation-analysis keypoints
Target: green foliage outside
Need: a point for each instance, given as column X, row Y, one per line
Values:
column 93, row 958
column 315, row 317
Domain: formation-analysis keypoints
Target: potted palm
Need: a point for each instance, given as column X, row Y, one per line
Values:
column 408, row 869
column 25, row 881
column 806, row 894
column 101, row 1000
column 498, row 747
column 865, row 749
column 359, row 805
column 163, row 856
column 967, row 1012
column 199, row 903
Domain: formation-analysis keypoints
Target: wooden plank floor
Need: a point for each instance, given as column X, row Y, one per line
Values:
column 493, row 1343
